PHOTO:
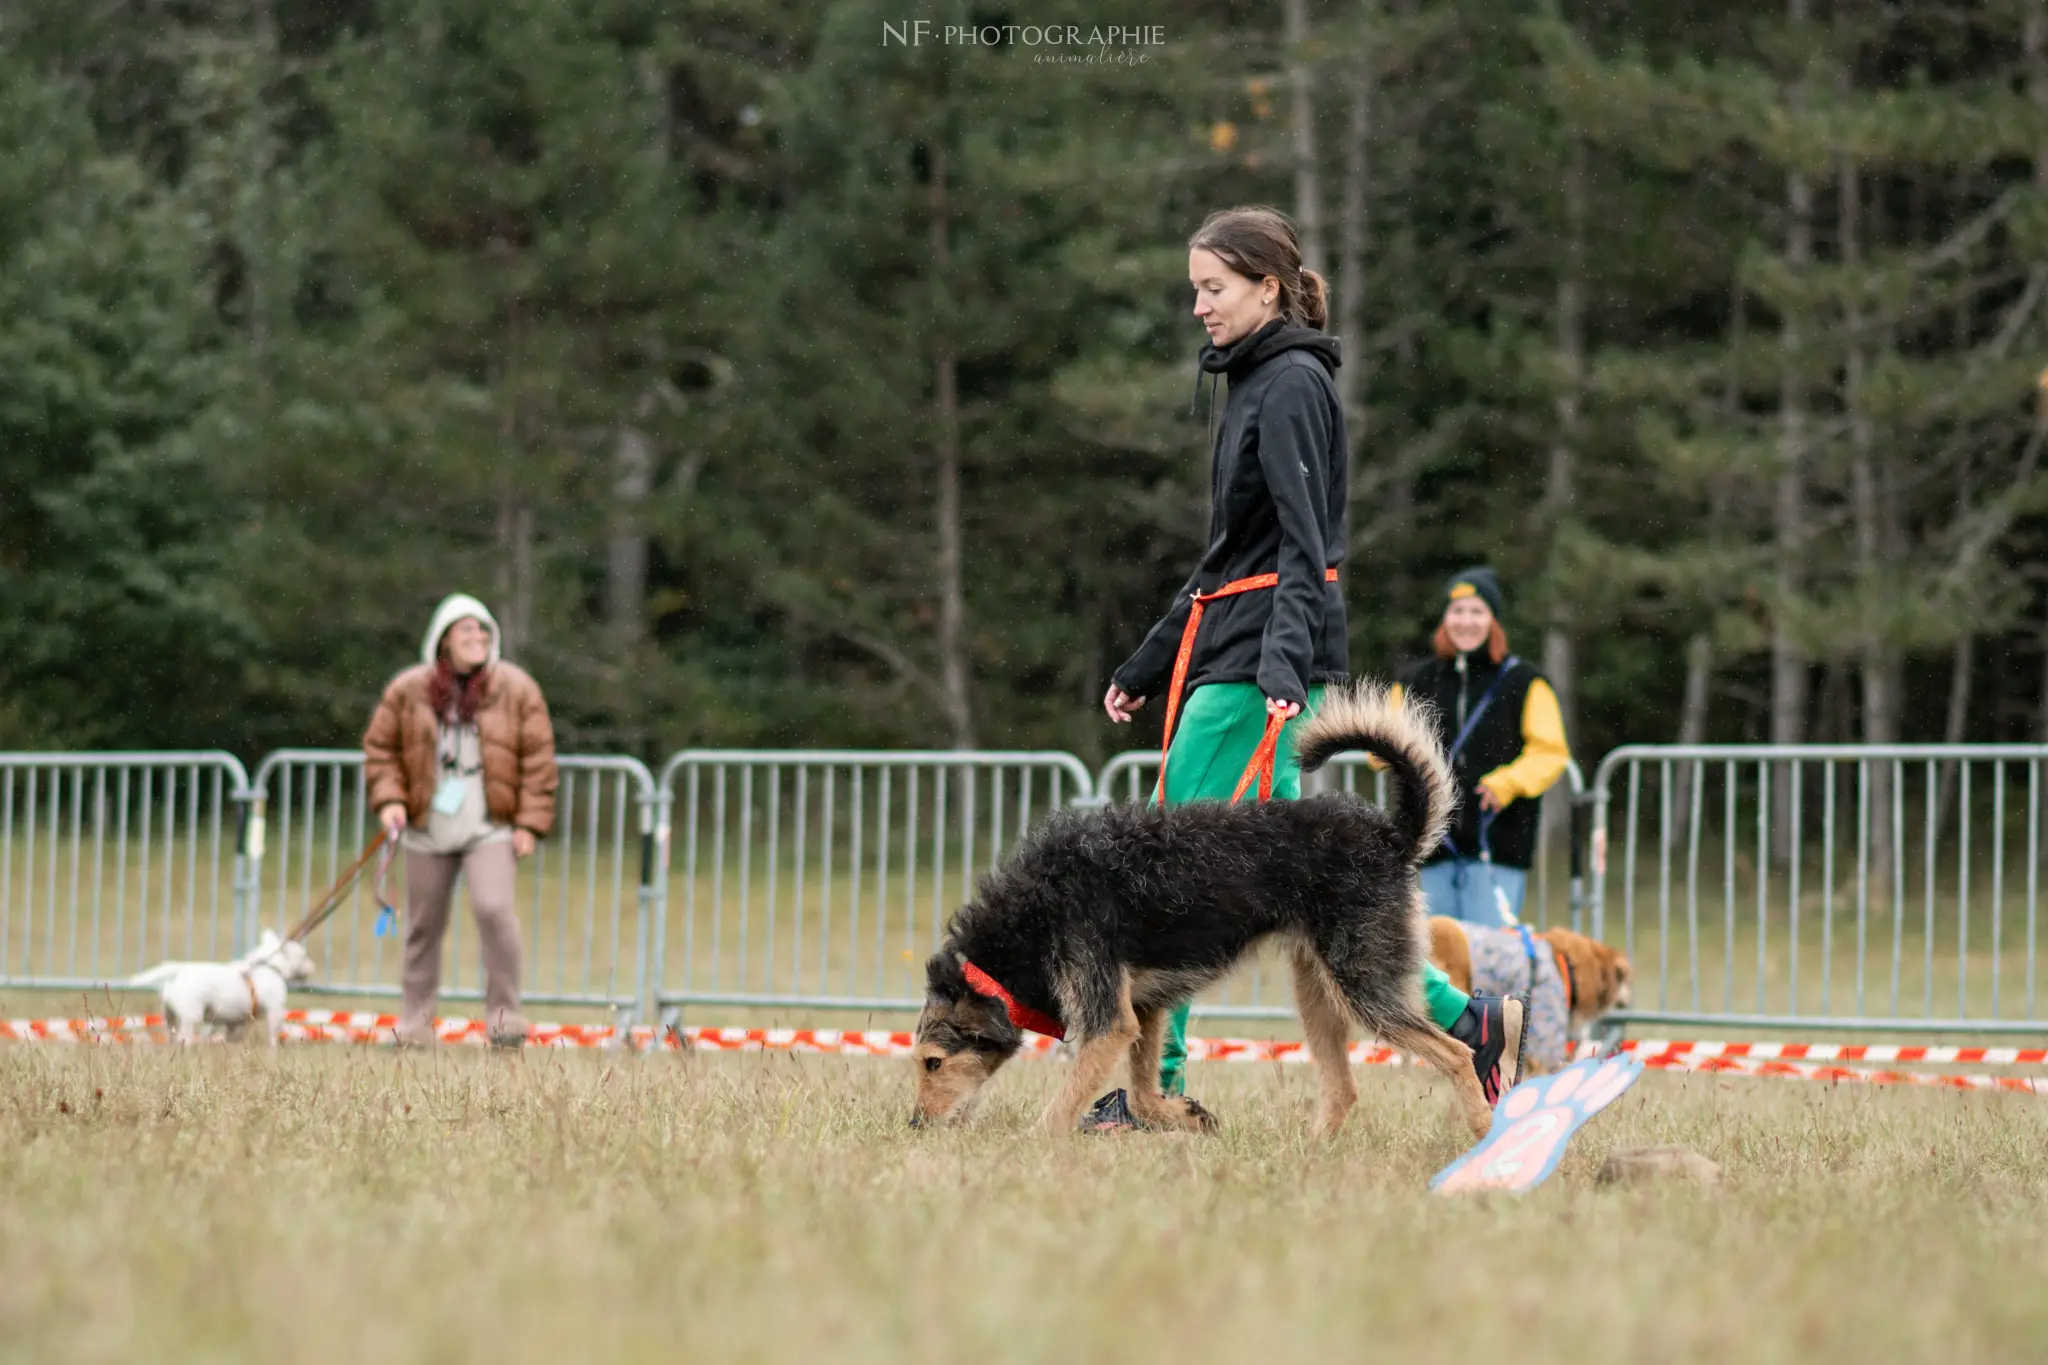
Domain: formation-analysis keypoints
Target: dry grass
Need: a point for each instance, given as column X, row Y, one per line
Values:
column 342, row 1205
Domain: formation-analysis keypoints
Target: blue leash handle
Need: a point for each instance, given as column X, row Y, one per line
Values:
column 387, row 913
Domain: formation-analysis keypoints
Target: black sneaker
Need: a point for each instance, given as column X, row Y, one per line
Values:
column 1492, row 1027
column 1111, row 1114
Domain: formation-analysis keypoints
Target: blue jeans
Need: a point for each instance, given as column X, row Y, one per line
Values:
column 1476, row 892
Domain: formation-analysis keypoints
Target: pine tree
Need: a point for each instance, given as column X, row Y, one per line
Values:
column 123, row 623
column 935, row 520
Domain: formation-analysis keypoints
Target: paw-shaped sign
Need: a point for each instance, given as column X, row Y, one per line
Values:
column 1532, row 1124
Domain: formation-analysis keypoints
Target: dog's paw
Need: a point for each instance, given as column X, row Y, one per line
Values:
column 1189, row 1114
column 1157, row 1113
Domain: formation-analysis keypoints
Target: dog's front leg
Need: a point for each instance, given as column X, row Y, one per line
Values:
column 1094, row 1060
column 1096, row 1048
column 1149, row 1105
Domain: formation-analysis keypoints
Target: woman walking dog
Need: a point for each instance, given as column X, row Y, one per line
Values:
column 460, row 762
column 1259, row 627
column 1501, row 726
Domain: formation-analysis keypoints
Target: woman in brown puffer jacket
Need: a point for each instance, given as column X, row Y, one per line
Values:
column 460, row 762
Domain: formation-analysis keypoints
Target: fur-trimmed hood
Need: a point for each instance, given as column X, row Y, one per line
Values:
column 453, row 608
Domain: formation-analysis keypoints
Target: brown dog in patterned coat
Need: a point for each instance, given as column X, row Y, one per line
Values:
column 1572, row 980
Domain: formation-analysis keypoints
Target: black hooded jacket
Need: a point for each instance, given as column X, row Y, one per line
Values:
column 1277, row 498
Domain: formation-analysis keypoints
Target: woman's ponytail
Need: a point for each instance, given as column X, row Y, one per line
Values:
column 1315, row 301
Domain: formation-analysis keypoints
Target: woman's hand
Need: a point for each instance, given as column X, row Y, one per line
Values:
column 393, row 818
column 1120, row 704
column 1487, row 800
column 1286, row 710
column 522, row 843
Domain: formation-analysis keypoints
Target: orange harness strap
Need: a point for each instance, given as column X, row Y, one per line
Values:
column 1570, row 979
column 1261, row 765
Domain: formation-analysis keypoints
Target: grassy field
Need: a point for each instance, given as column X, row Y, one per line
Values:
column 344, row 1205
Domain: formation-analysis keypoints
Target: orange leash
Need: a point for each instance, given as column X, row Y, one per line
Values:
column 1262, row 761
column 1261, row 765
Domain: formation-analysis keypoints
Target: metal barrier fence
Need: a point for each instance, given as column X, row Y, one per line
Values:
column 584, row 897
column 110, row 862
column 1860, row 888
column 821, row 879
column 1265, row 990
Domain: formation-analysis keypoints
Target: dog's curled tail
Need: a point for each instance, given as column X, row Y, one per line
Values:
column 157, row 975
column 1363, row 716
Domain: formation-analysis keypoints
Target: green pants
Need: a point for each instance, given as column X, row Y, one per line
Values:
column 1220, row 726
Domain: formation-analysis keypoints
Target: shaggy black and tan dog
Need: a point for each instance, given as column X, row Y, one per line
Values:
column 1103, row 921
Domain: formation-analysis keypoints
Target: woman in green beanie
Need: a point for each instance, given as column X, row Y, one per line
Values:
column 1500, row 722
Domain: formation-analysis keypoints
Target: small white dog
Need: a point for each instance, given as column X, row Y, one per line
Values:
column 230, row 994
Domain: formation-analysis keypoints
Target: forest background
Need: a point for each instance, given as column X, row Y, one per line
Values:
column 781, row 383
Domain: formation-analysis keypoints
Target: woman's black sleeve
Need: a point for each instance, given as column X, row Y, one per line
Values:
column 1146, row 672
column 1294, row 441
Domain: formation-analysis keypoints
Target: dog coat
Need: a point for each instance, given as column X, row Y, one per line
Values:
column 1501, row 965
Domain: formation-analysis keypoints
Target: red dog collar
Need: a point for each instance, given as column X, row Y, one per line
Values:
column 1023, row 1016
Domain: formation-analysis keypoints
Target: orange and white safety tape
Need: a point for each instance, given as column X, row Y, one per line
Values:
column 302, row 1026
column 337, row 1026
column 1822, row 1071
column 1796, row 1061
column 1843, row 1052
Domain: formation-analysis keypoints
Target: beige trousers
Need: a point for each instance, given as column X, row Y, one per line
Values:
column 492, row 874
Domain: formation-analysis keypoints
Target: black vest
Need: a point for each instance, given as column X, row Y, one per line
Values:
column 1495, row 741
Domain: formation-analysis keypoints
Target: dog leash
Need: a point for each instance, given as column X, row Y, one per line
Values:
column 1261, row 763
column 1486, row 818
column 332, row 900
column 1261, row 766
column 1566, row 977
column 1485, row 860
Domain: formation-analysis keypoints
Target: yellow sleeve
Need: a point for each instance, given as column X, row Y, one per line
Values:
column 1544, row 755
column 1394, row 696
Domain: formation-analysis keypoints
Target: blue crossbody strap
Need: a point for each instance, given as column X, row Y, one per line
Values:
column 1485, row 700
